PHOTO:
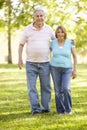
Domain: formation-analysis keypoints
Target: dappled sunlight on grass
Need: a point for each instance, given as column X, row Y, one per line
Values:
column 10, row 82
column 15, row 112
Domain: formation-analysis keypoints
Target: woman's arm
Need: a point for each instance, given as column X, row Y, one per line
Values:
column 74, row 54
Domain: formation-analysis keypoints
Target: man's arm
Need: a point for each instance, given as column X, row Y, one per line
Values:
column 20, row 61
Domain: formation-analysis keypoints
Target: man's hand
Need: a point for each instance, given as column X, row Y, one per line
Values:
column 20, row 64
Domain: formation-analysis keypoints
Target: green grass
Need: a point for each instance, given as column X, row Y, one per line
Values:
column 15, row 108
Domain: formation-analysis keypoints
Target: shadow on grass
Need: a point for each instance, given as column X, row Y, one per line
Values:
column 13, row 116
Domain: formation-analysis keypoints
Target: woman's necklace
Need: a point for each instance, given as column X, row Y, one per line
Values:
column 61, row 43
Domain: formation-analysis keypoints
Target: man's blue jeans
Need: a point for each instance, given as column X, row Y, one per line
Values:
column 33, row 70
column 61, row 78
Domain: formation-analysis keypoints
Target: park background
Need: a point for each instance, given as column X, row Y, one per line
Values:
column 15, row 15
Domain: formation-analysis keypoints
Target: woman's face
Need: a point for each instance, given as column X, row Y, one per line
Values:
column 60, row 34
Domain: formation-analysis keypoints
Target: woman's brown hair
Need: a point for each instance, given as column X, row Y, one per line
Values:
column 65, row 34
column 63, row 30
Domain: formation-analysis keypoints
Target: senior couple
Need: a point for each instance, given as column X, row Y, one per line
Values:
column 40, row 40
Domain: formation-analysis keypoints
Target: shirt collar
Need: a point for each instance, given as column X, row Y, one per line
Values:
column 34, row 28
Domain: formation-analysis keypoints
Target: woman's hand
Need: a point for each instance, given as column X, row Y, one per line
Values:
column 74, row 74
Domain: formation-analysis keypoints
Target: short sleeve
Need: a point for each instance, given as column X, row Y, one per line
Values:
column 23, row 38
column 53, row 35
column 51, row 44
column 51, row 32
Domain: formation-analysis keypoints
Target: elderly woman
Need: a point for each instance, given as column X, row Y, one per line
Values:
column 62, row 69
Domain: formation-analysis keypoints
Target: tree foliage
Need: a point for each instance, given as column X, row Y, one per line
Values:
column 71, row 14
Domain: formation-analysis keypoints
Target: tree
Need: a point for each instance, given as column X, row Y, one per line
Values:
column 9, row 32
column 71, row 14
column 15, row 16
column 7, row 7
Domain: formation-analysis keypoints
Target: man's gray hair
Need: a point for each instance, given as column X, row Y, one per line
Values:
column 39, row 9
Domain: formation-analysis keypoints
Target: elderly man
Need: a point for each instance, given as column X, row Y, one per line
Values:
column 37, row 37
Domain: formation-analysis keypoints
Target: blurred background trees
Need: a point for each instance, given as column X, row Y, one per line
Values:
column 16, row 14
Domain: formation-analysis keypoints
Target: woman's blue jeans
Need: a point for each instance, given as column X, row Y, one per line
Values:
column 61, row 78
column 33, row 70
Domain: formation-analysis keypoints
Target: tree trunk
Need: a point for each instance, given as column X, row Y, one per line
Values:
column 9, row 33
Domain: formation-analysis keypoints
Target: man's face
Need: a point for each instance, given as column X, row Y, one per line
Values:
column 39, row 17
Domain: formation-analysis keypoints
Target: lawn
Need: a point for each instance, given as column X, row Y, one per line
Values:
column 15, row 108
